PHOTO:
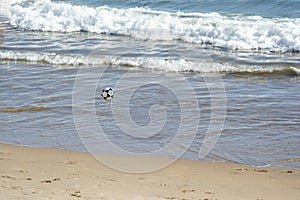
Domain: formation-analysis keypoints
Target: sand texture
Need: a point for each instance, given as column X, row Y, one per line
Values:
column 31, row 173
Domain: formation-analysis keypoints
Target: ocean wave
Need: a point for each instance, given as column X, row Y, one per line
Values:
column 234, row 32
column 168, row 64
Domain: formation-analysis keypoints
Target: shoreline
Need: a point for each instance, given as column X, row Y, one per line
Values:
column 46, row 173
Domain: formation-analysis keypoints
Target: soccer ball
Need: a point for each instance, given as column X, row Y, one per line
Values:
column 107, row 94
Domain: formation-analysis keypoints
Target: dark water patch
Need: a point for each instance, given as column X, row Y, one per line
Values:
column 26, row 109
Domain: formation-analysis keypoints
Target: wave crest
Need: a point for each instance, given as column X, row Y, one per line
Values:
column 230, row 32
column 168, row 64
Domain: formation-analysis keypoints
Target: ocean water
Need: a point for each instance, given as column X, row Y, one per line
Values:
column 240, row 58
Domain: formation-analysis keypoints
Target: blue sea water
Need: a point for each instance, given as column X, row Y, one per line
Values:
column 253, row 46
column 268, row 8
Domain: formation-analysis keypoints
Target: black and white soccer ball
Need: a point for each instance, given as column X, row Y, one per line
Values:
column 107, row 94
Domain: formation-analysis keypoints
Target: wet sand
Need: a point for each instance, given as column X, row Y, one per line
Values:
column 32, row 173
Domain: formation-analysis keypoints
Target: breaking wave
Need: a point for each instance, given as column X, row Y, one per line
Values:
column 170, row 64
column 234, row 32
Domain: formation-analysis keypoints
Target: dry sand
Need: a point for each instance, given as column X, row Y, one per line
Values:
column 31, row 173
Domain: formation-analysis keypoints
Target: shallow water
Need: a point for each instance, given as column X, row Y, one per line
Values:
column 261, row 126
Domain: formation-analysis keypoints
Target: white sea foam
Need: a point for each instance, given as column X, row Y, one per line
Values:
column 151, row 63
column 6, row 5
column 296, row 70
column 230, row 32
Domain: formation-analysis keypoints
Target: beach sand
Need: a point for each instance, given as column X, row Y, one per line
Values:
column 35, row 173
